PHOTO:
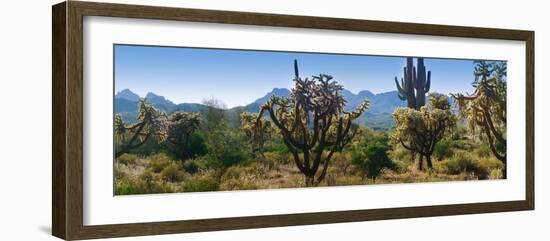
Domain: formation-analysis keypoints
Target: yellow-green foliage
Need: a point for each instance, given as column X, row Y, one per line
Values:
column 275, row 158
column 496, row 174
column 144, row 184
column 203, row 182
column 158, row 162
column 127, row 159
column 240, row 178
column 466, row 162
column 172, row 173
column 483, row 150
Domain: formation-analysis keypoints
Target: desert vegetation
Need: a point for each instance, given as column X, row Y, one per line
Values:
column 311, row 138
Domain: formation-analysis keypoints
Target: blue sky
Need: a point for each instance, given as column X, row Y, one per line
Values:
column 238, row 77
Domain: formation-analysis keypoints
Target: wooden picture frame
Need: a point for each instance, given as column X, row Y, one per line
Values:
column 67, row 125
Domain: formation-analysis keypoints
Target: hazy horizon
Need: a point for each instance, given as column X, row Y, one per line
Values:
column 239, row 77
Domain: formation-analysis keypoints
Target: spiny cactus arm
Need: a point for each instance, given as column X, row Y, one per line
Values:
column 316, row 131
column 359, row 110
column 125, row 148
column 410, row 148
column 401, row 91
column 325, row 167
column 296, row 72
column 287, row 137
column 498, row 155
column 340, row 133
column 498, row 135
column 325, row 125
column 284, row 130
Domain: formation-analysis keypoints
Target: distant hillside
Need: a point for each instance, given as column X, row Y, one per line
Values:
column 378, row 116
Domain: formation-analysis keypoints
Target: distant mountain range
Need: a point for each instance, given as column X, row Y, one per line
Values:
column 378, row 116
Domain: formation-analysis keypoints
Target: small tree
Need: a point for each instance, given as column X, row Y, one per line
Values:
column 371, row 155
column 420, row 130
column 486, row 107
column 311, row 121
column 213, row 115
column 151, row 123
column 180, row 127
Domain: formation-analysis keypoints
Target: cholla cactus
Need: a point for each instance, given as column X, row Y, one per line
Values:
column 180, row 126
column 257, row 131
column 414, row 84
column 151, row 123
column 420, row 130
column 486, row 107
column 311, row 121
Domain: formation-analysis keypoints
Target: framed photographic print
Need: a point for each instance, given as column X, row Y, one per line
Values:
column 171, row 120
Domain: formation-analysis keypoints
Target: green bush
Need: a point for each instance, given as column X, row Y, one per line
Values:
column 371, row 155
column 227, row 148
column 197, row 145
column 172, row 173
column 158, row 162
column 483, row 150
column 194, row 147
column 200, row 183
column 442, row 150
column 127, row 159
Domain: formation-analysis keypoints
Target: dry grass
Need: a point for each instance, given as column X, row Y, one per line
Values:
column 158, row 173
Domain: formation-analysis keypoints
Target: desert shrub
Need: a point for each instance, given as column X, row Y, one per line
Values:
column 490, row 163
column 172, row 173
column 144, row 184
column 193, row 166
column 241, row 178
column 127, row 159
column 200, row 183
column 196, row 146
column 496, row 174
column 443, row 149
column 399, row 153
column 118, row 172
column 463, row 161
column 275, row 158
column 158, row 162
column 401, row 166
column 459, row 133
column 227, row 148
column 341, row 163
column 371, row 155
column 483, row 150
column 276, row 144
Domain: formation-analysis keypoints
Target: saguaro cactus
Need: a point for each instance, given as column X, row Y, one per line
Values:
column 414, row 84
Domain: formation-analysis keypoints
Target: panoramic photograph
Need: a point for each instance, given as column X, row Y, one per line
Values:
column 201, row 119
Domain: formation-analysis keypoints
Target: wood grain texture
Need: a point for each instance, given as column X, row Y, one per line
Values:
column 67, row 153
column 59, row 192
